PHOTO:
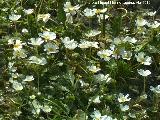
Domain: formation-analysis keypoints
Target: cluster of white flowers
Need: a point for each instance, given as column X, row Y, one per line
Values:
column 38, row 107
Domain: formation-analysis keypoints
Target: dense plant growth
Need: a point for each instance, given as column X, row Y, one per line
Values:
column 78, row 60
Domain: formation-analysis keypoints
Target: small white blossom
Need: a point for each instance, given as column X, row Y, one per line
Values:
column 51, row 48
column 19, row 53
column 126, row 55
column 89, row 12
column 155, row 24
column 124, row 107
column 32, row 97
column 84, row 44
column 28, row 11
column 92, row 33
column 68, row 8
column 155, row 89
column 105, row 54
column 141, row 22
column 36, row 41
column 24, row 30
column 14, row 17
column 144, row 73
column 102, row 77
column 70, row 44
column 93, row 68
column 39, row 61
column 28, row 78
column 44, row 17
column 96, row 100
column 96, row 115
column 46, row 108
column 130, row 40
column 69, row 18
column 123, row 98
column 17, row 86
column 142, row 59
column 47, row 35
column 18, row 45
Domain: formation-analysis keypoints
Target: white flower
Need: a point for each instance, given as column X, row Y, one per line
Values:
column 69, row 18
column 141, row 22
column 132, row 115
column 28, row 11
column 39, row 61
column 17, row 45
column 124, row 107
column 105, row 54
column 46, row 108
column 96, row 115
column 44, row 17
column 130, row 40
column 36, row 41
column 24, row 30
column 68, row 8
column 144, row 73
column 19, row 53
column 94, row 44
column 11, row 41
column 105, row 117
column 48, row 35
column 84, row 44
column 28, row 78
column 151, row 13
column 37, row 107
column 32, row 97
column 14, row 17
column 89, row 12
column 93, row 33
column 123, row 98
column 155, row 89
column 93, row 68
column 126, row 55
column 96, row 100
column 51, row 48
column 70, row 44
column 155, row 24
column 17, row 86
column 102, row 77
column 142, row 59
column 11, row 67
